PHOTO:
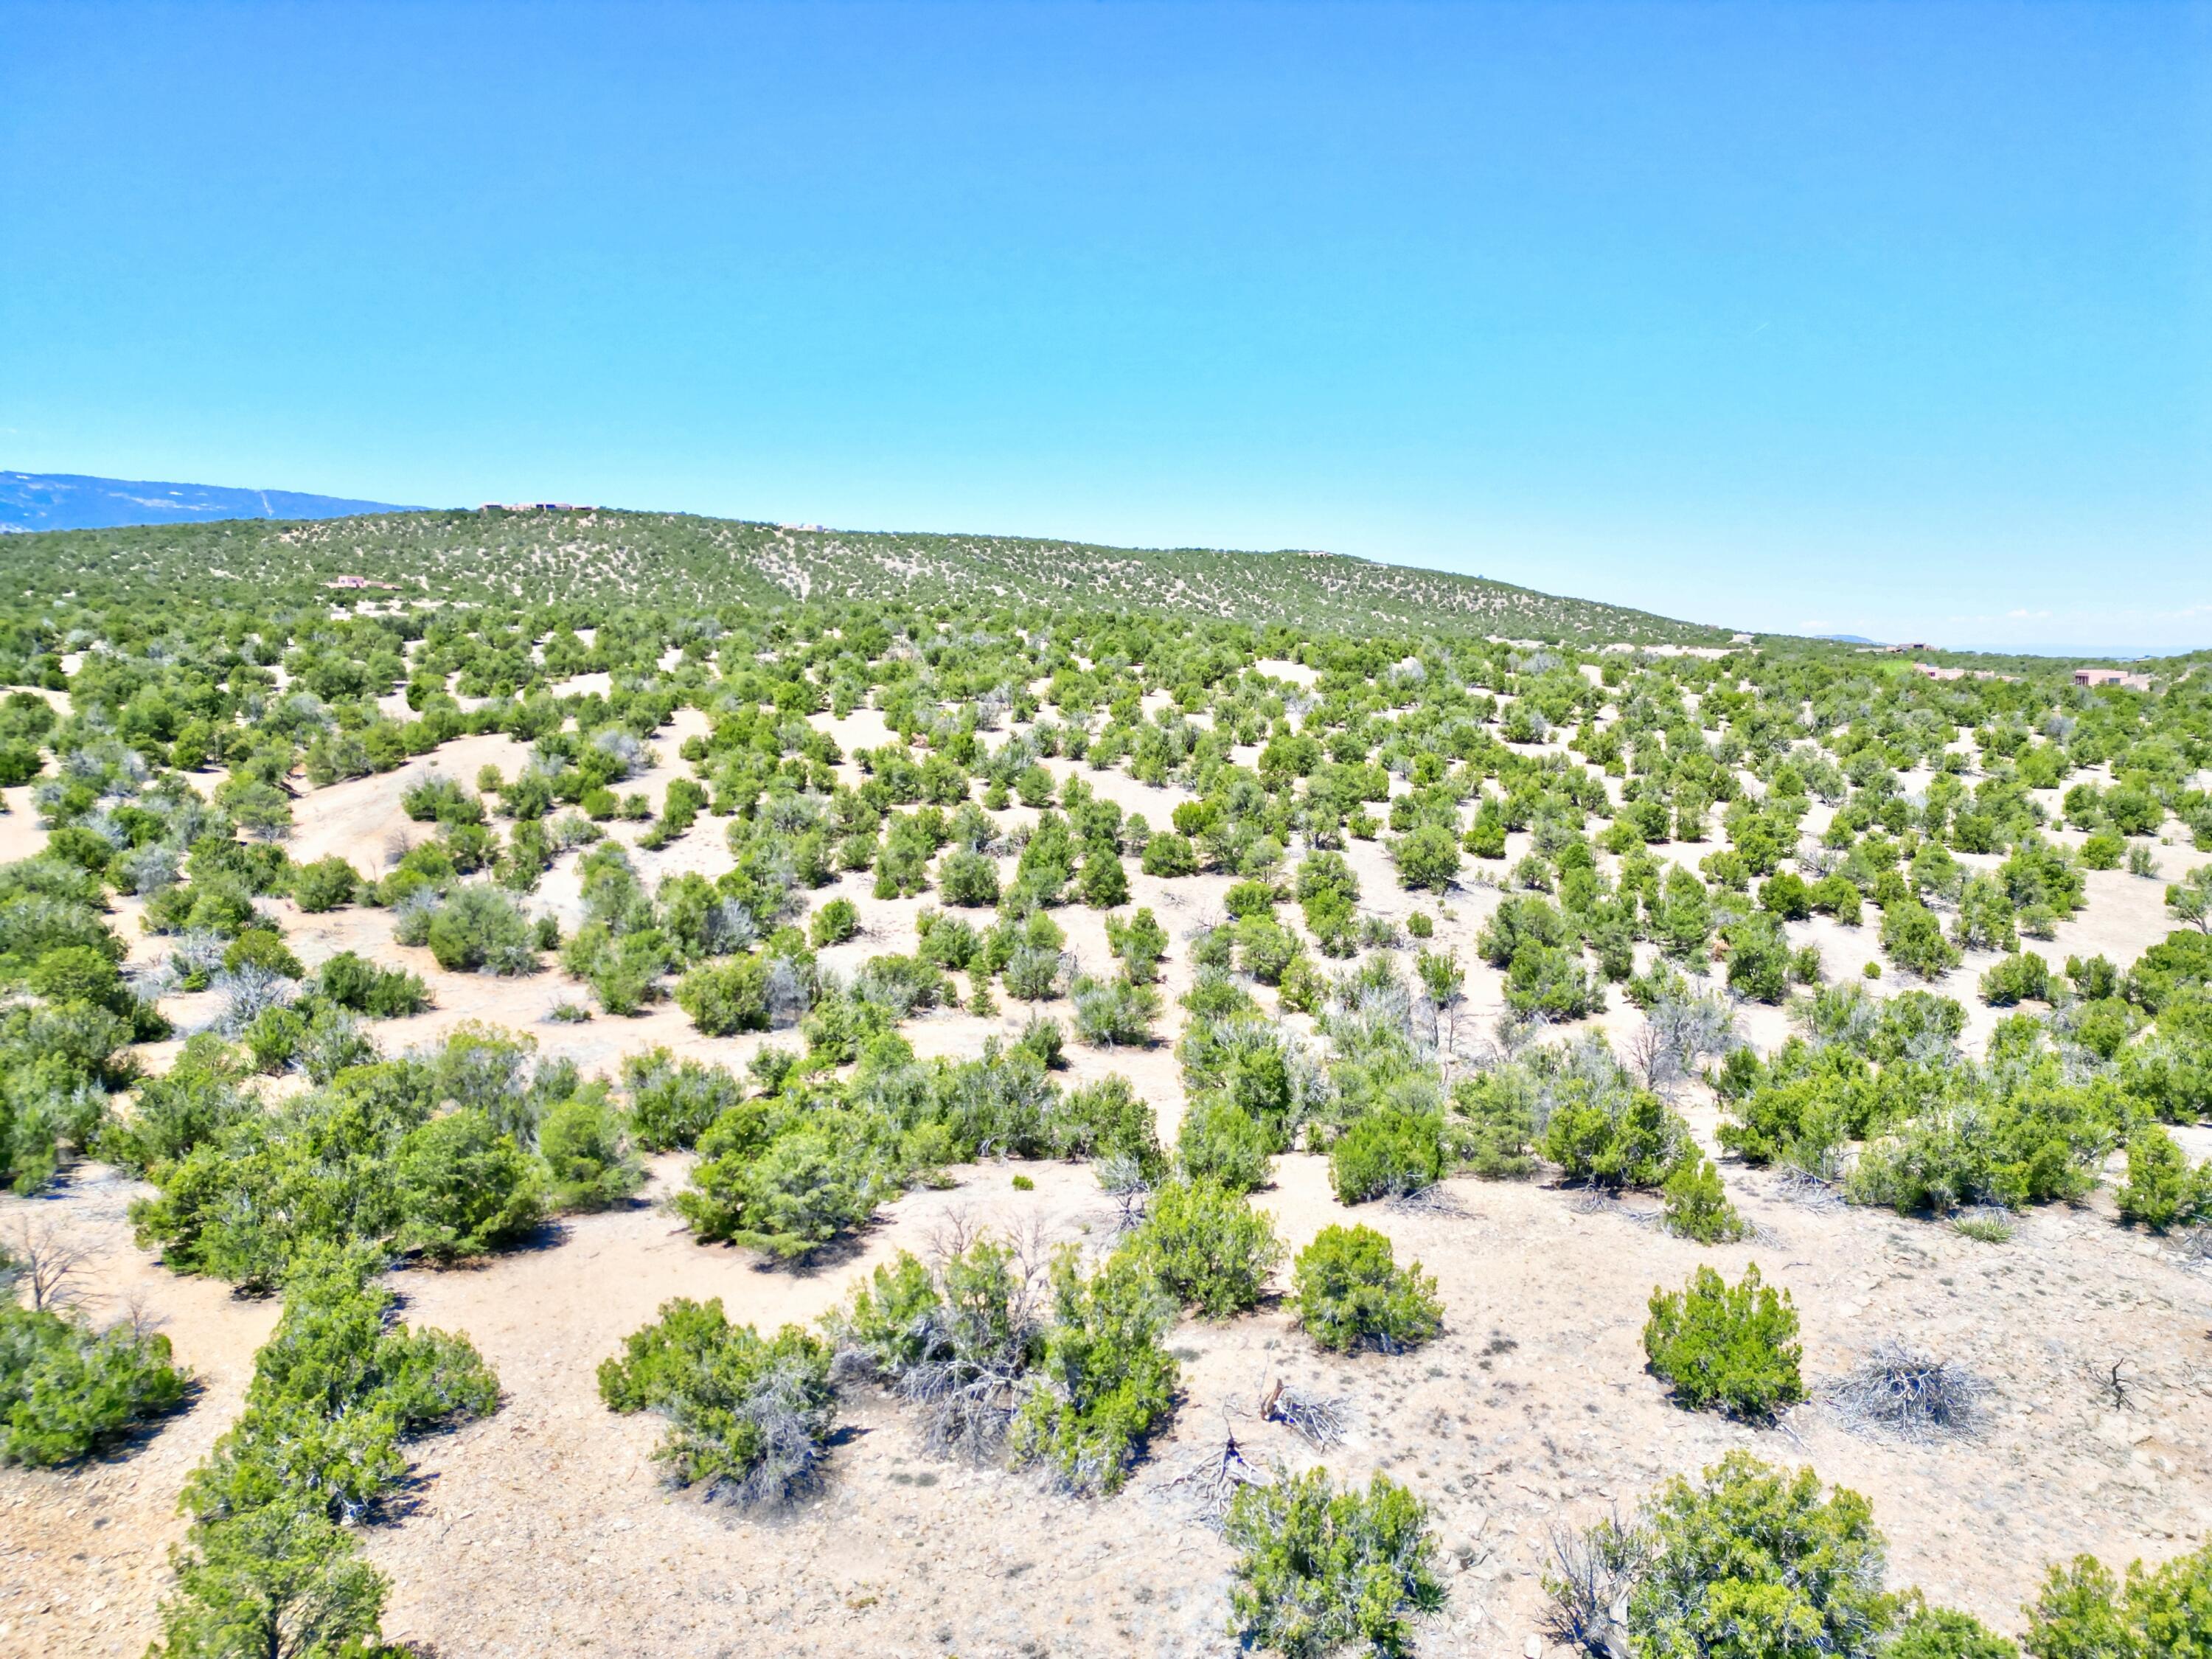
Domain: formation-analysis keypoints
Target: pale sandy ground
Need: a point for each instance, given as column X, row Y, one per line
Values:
column 544, row 1529
column 21, row 834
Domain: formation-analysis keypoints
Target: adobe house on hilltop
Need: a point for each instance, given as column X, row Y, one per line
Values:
column 2111, row 676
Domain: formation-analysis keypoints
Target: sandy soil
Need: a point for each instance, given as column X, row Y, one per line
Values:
column 84, row 1554
column 21, row 836
column 544, row 1529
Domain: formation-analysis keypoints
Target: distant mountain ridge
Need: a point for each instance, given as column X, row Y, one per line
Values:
column 72, row 501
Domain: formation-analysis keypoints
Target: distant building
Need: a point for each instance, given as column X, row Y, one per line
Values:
column 1742, row 639
column 2111, row 676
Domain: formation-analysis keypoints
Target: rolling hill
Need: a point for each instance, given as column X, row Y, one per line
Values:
column 669, row 559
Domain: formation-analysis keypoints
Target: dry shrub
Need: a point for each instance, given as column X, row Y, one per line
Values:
column 1319, row 1420
column 1593, row 1574
column 956, row 1336
column 1901, row 1391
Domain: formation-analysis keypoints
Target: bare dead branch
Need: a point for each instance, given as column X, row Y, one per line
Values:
column 1433, row 1199
column 46, row 1262
column 1215, row 1477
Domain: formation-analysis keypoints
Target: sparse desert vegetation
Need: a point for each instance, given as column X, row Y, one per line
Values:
column 1073, row 1102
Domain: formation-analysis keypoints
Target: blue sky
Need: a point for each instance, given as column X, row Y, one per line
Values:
column 1891, row 319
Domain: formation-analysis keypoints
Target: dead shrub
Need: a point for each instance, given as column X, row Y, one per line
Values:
column 1901, row 1391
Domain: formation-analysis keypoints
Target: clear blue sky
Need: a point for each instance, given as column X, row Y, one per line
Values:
column 1893, row 320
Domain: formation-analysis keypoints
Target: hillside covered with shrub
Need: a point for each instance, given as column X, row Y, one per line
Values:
column 667, row 558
